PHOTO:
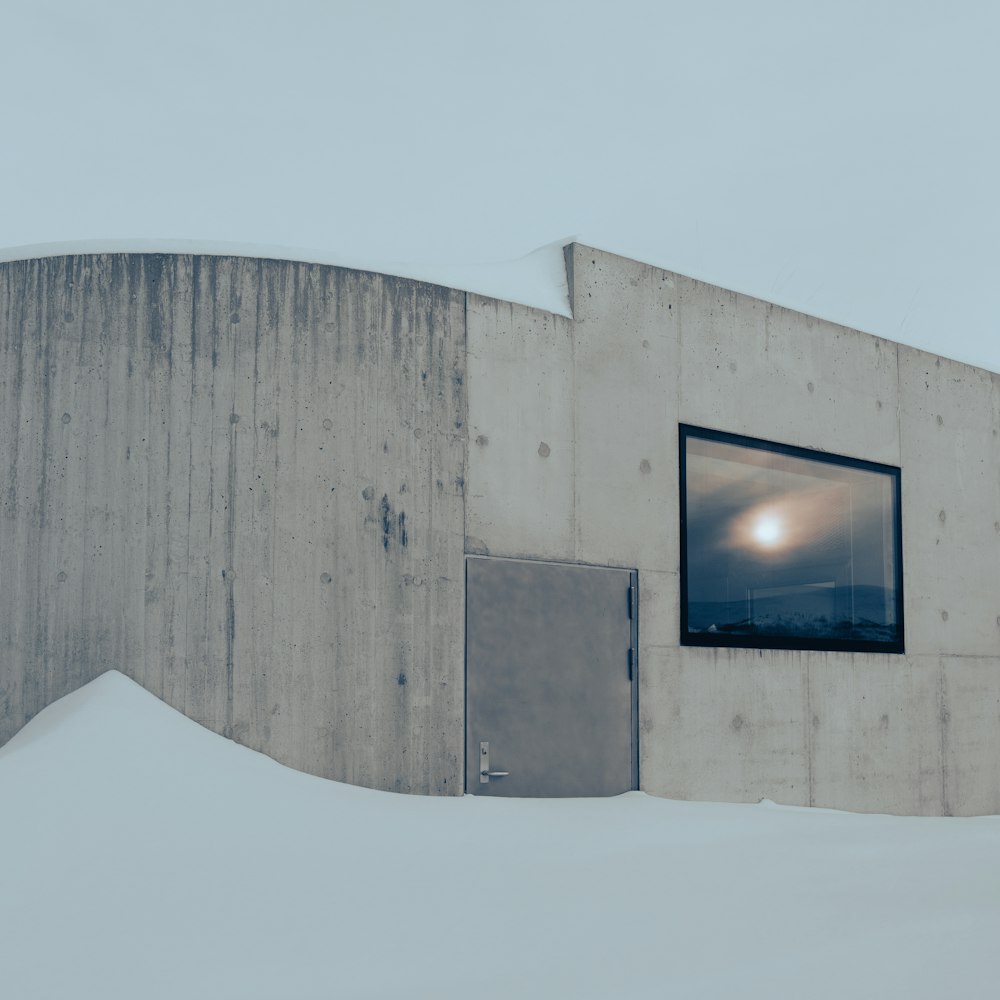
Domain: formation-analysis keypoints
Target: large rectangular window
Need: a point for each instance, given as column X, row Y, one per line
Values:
column 787, row 548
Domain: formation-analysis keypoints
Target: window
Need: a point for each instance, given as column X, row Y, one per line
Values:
column 785, row 548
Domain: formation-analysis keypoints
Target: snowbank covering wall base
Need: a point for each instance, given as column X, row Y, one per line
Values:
column 152, row 859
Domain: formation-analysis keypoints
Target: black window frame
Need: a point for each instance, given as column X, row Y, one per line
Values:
column 764, row 641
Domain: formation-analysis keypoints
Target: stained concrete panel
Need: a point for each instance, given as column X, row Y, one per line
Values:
column 951, row 506
column 65, row 553
column 875, row 733
column 749, row 367
column 724, row 724
column 522, row 433
column 803, row 728
column 625, row 411
column 659, row 609
column 242, row 483
column 970, row 734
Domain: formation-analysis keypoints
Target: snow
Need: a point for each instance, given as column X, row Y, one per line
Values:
column 537, row 279
column 839, row 159
column 147, row 857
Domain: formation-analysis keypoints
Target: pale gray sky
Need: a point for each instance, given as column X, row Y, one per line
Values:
column 838, row 158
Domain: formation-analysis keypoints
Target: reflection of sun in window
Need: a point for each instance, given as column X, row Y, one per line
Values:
column 768, row 531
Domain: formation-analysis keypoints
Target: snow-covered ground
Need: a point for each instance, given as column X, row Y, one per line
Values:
column 144, row 856
column 839, row 158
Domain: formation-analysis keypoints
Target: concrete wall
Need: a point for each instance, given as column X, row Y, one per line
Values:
column 249, row 485
column 573, row 455
column 241, row 483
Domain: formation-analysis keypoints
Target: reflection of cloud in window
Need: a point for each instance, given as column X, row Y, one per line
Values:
column 792, row 525
column 751, row 512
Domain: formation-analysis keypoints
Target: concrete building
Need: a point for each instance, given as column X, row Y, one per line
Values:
column 259, row 487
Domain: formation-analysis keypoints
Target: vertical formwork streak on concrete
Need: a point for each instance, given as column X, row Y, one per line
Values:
column 240, row 482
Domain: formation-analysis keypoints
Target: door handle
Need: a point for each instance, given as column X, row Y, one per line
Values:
column 484, row 763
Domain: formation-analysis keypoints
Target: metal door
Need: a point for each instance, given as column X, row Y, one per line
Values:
column 551, row 679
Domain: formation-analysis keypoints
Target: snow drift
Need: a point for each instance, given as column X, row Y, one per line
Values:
column 146, row 856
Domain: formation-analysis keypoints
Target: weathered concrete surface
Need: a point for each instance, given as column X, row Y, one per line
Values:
column 573, row 428
column 240, row 482
column 950, row 449
column 648, row 349
column 969, row 715
column 520, row 368
column 874, row 724
column 244, row 483
column 754, row 368
column 626, row 363
column 720, row 727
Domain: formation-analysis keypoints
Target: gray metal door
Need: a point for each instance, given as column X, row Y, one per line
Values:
column 550, row 679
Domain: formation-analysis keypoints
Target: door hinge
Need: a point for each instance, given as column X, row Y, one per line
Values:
column 631, row 658
column 631, row 600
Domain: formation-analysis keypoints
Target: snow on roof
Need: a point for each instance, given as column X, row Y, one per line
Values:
column 537, row 279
